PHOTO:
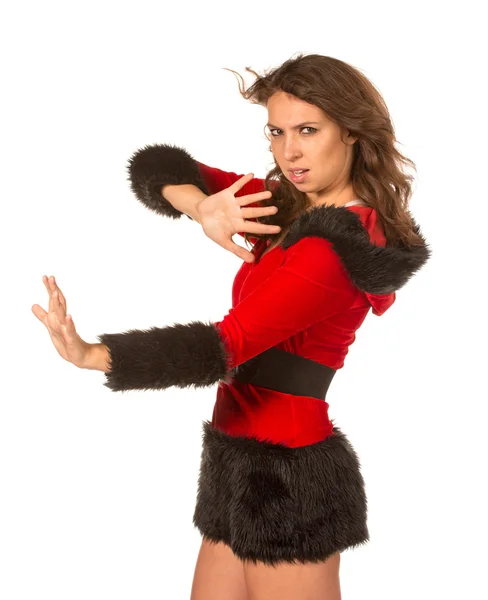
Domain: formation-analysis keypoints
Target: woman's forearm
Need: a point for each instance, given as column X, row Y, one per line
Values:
column 97, row 358
column 184, row 198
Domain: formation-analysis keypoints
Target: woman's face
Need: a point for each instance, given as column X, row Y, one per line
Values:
column 302, row 136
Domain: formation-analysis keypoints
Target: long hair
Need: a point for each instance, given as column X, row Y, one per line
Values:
column 350, row 100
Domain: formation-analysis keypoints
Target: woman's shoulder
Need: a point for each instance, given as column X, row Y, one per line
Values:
column 352, row 236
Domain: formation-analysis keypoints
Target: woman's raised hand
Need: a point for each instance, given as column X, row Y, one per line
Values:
column 223, row 214
column 61, row 327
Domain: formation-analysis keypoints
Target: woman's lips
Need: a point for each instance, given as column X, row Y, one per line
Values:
column 298, row 178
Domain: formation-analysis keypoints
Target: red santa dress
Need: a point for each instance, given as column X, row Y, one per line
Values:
column 279, row 481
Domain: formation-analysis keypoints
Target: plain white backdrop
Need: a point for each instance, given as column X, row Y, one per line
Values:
column 98, row 488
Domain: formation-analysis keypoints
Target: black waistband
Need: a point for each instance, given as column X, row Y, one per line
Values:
column 286, row 372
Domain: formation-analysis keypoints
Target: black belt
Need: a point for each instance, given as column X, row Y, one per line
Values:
column 286, row 372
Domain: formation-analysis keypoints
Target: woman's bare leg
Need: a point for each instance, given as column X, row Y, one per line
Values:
column 219, row 574
column 310, row 581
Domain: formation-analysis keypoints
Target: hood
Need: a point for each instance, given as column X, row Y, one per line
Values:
column 358, row 239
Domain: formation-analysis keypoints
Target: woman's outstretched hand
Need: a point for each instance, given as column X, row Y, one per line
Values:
column 222, row 215
column 61, row 327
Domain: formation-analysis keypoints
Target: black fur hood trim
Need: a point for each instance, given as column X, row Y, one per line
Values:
column 373, row 269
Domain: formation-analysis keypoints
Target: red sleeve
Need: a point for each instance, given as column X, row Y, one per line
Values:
column 311, row 285
column 217, row 180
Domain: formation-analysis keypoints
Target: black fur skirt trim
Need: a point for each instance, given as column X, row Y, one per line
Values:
column 275, row 504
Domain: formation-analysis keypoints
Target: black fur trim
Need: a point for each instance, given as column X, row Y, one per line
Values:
column 159, row 164
column 272, row 503
column 182, row 355
column 371, row 268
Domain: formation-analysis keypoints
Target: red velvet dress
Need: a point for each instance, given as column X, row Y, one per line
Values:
column 300, row 300
column 277, row 482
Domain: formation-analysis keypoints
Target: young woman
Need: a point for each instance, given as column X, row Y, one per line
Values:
column 280, row 492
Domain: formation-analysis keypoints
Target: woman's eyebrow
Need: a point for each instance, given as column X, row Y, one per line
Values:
column 296, row 126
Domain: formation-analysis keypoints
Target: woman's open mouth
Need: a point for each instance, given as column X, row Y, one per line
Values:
column 298, row 175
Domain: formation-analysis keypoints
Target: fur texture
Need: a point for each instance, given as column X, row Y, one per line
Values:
column 154, row 166
column 373, row 269
column 272, row 503
column 182, row 355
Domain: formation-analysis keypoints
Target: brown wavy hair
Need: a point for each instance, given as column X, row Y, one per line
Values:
column 349, row 99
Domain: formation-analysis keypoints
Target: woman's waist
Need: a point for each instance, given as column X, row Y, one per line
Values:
column 249, row 410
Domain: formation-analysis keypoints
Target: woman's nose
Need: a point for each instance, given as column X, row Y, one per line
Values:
column 291, row 149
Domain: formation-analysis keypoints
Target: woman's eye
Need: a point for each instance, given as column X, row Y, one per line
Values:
column 272, row 131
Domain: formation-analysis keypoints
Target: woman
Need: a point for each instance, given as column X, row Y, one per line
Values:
column 280, row 492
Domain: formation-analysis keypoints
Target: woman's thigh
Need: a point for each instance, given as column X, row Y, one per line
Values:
column 285, row 581
column 219, row 574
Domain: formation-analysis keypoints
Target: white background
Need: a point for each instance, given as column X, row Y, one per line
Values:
column 98, row 488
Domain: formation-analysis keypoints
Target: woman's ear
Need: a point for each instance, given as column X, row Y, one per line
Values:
column 350, row 139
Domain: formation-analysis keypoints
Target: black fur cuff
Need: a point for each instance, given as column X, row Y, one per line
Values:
column 182, row 355
column 154, row 166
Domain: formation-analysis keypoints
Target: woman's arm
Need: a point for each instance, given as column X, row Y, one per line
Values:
column 184, row 198
column 169, row 181
column 97, row 358
column 310, row 286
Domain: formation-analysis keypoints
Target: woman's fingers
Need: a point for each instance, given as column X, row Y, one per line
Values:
column 39, row 312
column 252, row 227
column 45, row 281
column 70, row 326
column 247, row 198
column 240, row 183
column 60, row 326
column 258, row 211
column 239, row 251
column 51, row 286
column 49, row 291
column 61, row 297
column 256, row 197
column 59, row 302
column 46, row 319
column 254, row 212
column 58, row 308
column 56, row 315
